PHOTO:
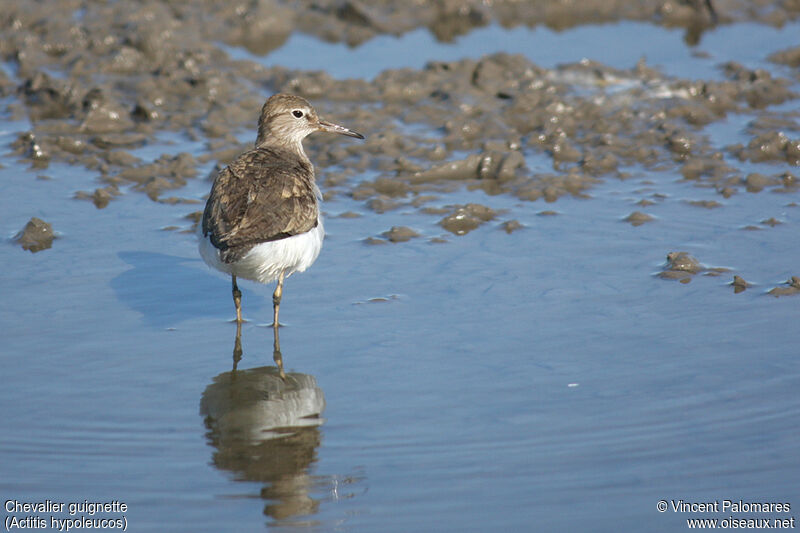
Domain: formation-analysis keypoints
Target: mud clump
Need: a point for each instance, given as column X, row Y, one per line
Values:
column 679, row 263
column 400, row 234
column 101, row 196
column 637, row 218
column 27, row 146
column 37, row 235
column 770, row 147
column 491, row 165
column 756, row 182
column 757, row 87
column 739, row 284
column 771, row 222
column 705, row 204
column 792, row 287
column 510, row 226
column 465, row 218
column 682, row 267
column 166, row 173
column 789, row 57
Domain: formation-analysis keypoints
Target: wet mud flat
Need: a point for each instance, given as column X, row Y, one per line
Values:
column 97, row 82
column 573, row 267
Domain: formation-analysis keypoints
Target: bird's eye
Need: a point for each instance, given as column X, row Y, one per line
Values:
column 297, row 113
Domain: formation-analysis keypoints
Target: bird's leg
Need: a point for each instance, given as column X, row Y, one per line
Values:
column 237, row 345
column 276, row 354
column 237, row 299
column 276, row 302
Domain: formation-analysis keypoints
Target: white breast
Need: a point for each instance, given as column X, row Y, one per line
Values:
column 265, row 262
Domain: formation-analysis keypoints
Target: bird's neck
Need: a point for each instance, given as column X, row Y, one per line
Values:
column 285, row 144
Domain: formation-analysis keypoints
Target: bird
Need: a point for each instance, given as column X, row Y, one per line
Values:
column 262, row 218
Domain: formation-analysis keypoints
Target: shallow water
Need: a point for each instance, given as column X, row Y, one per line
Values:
column 542, row 380
column 619, row 45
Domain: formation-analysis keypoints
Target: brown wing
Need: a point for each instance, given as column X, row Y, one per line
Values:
column 264, row 195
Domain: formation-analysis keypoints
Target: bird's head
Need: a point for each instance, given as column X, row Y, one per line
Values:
column 287, row 120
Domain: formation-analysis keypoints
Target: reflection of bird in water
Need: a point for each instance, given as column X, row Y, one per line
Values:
column 701, row 16
column 266, row 428
column 262, row 219
column 276, row 350
column 700, row 5
column 264, row 425
column 700, row 24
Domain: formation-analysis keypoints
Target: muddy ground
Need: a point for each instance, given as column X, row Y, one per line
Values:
column 97, row 80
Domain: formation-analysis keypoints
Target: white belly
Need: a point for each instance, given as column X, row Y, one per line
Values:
column 265, row 262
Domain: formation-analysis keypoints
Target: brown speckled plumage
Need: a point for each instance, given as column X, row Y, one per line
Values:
column 264, row 195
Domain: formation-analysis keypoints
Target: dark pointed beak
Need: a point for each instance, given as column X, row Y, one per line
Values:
column 335, row 128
